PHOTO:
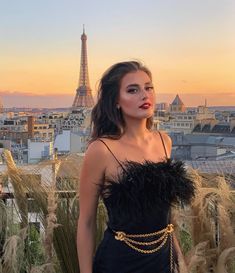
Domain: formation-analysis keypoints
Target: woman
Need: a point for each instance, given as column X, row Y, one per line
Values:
column 127, row 165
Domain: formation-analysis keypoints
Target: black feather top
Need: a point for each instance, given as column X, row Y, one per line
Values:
column 146, row 190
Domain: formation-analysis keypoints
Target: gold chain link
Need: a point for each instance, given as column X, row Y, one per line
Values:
column 148, row 251
column 166, row 233
column 171, row 252
column 147, row 243
column 149, row 234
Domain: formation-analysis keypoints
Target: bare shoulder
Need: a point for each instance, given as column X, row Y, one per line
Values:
column 166, row 138
column 96, row 148
column 95, row 159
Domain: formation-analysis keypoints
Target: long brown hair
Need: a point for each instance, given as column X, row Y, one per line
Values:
column 106, row 119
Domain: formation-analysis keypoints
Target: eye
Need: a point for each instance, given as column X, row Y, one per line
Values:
column 133, row 90
column 149, row 88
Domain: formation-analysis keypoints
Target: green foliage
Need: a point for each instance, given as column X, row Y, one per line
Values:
column 35, row 251
column 186, row 241
column 3, row 223
column 231, row 265
column 4, row 180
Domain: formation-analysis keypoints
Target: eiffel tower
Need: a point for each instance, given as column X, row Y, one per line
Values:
column 83, row 98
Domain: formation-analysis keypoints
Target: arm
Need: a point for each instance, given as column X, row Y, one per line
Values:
column 92, row 173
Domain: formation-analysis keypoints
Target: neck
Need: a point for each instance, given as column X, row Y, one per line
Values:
column 136, row 130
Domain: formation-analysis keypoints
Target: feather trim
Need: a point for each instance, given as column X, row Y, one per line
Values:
column 144, row 187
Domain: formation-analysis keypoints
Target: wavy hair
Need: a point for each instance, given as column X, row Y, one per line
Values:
column 106, row 119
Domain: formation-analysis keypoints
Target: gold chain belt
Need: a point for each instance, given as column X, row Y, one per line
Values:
column 163, row 234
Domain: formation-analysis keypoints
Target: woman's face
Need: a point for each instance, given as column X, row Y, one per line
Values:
column 137, row 96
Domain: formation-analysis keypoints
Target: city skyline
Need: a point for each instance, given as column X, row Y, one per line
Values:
column 188, row 47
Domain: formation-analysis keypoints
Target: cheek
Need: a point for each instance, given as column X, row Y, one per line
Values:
column 128, row 104
column 154, row 97
column 126, row 101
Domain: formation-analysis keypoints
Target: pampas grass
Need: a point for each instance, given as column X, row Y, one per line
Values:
column 208, row 221
column 19, row 190
column 101, row 222
column 41, row 269
column 65, row 235
column 224, row 258
column 51, row 224
column 57, row 206
column 13, row 253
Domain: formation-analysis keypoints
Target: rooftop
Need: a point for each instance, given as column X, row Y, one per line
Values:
column 213, row 167
column 177, row 101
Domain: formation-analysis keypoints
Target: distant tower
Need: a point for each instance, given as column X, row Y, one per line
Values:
column 177, row 105
column 1, row 107
column 83, row 98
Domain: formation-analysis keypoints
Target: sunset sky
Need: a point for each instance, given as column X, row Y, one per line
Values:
column 188, row 44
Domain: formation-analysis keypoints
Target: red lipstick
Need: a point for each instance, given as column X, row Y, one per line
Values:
column 145, row 105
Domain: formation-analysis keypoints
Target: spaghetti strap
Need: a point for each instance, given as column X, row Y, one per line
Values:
column 112, row 154
column 163, row 144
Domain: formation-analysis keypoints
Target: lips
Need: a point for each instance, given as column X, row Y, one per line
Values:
column 145, row 105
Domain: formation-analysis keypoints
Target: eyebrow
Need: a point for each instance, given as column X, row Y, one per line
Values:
column 136, row 85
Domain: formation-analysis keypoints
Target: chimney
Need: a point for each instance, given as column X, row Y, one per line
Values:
column 30, row 127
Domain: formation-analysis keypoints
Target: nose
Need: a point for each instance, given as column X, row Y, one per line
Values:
column 144, row 93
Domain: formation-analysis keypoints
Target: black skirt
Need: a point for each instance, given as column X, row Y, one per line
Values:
column 115, row 256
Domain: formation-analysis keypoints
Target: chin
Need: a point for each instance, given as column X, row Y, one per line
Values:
column 147, row 116
column 144, row 115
